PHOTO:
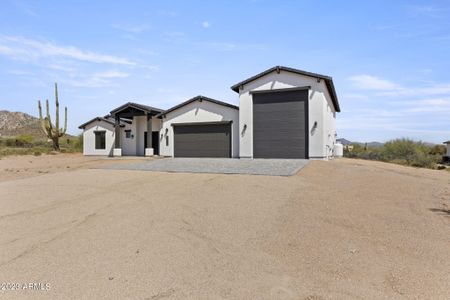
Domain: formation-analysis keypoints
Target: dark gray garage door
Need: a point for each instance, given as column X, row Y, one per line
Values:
column 280, row 124
column 209, row 140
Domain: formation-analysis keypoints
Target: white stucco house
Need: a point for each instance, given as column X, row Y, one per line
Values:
column 282, row 113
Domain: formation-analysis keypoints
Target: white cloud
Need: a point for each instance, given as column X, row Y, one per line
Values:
column 131, row 28
column 206, row 24
column 111, row 74
column 20, row 73
column 369, row 82
column 21, row 48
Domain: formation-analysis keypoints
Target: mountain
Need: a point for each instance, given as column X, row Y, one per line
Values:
column 343, row 142
column 17, row 123
column 369, row 144
column 373, row 144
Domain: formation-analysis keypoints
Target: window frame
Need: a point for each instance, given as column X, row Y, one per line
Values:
column 102, row 143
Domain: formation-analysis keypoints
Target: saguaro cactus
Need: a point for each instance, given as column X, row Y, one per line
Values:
column 53, row 132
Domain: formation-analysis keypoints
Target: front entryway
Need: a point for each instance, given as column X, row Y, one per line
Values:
column 155, row 142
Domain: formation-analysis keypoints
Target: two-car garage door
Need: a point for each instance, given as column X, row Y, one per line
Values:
column 280, row 124
column 202, row 140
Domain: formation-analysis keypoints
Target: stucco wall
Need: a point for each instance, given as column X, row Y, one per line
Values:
column 320, row 110
column 89, row 138
column 448, row 149
column 197, row 111
column 128, row 145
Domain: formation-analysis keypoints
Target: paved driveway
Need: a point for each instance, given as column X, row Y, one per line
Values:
column 273, row 167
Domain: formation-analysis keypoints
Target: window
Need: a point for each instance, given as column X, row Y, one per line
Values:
column 128, row 134
column 100, row 140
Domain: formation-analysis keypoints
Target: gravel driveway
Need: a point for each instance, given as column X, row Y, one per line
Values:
column 272, row 167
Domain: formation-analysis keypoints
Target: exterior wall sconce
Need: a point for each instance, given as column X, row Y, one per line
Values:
column 244, row 128
column 314, row 127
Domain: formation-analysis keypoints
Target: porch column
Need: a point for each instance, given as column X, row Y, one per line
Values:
column 117, row 142
column 149, row 148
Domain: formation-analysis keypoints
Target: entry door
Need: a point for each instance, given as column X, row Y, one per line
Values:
column 155, row 141
column 280, row 124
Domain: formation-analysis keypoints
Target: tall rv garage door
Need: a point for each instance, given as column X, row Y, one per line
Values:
column 280, row 124
column 205, row 140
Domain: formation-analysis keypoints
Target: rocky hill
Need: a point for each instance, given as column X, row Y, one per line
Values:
column 17, row 123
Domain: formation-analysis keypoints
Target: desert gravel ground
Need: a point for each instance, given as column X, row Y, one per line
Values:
column 344, row 229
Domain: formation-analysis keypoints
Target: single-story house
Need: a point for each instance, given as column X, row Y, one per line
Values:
column 282, row 113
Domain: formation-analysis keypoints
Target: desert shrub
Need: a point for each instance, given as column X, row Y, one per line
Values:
column 37, row 153
column 24, row 141
column 79, row 143
column 10, row 142
column 400, row 151
column 41, row 143
column 438, row 150
column 423, row 160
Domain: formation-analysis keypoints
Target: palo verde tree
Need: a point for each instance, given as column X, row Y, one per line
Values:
column 53, row 132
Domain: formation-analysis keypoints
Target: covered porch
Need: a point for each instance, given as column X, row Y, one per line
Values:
column 140, row 135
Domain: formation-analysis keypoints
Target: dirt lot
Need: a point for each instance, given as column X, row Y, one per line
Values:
column 345, row 229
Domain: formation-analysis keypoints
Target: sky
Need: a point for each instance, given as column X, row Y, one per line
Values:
column 389, row 59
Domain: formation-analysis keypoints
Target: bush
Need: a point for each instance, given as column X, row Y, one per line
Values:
column 438, row 150
column 400, row 151
column 10, row 142
column 79, row 143
column 24, row 141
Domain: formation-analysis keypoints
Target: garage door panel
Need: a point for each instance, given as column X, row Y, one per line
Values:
column 212, row 140
column 280, row 125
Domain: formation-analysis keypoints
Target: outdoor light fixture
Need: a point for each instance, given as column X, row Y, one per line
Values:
column 243, row 129
column 315, row 125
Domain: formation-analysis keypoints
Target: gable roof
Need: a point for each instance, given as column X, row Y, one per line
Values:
column 138, row 106
column 197, row 98
column 328, row 81
column 106, row 119
column 447, row 142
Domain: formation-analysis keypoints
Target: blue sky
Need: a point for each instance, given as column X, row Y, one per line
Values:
column 389, row 59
